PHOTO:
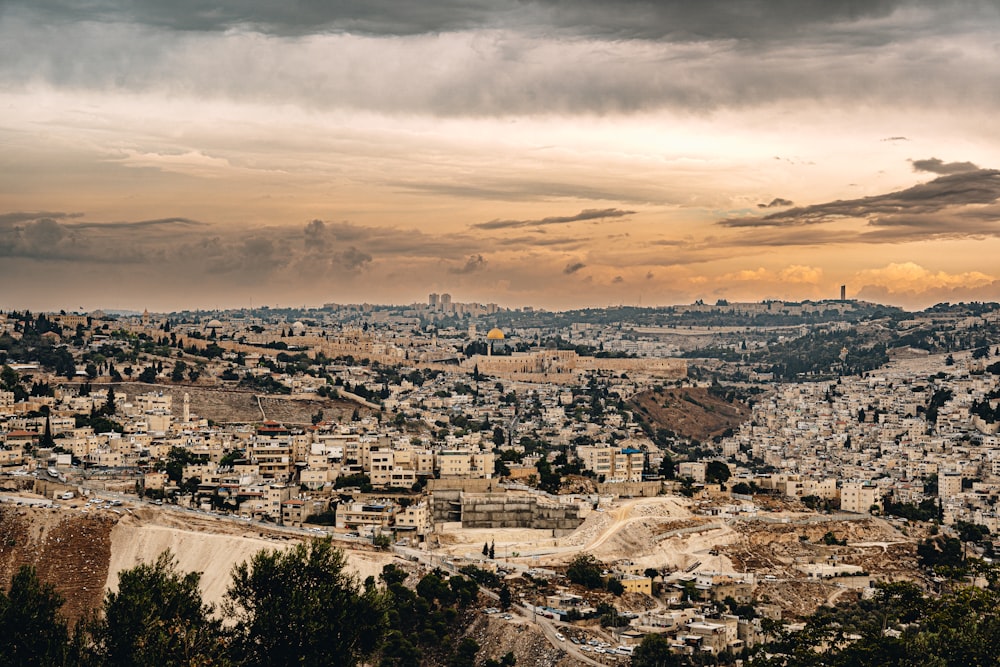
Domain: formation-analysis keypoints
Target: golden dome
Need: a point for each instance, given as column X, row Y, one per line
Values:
column 495, row 334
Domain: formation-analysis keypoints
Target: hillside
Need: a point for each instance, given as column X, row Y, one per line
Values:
column 83, row 552
column 690, row 412
column 227, row 405
column 69, row 549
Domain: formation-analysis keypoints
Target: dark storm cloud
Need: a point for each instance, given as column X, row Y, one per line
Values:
column 625, row 19
column 45, row 235
column 776, row 203
column 936, row 166
column 288, row 18
column 978, row 187
column 472, row 265
column 488, row 58
column 573, row 267
column 585, row 215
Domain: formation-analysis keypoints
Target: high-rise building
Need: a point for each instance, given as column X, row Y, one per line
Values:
column 843, row 292
column 446, row 303
column 433, row 301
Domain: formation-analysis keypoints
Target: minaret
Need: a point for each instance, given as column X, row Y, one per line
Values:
column 187, row 408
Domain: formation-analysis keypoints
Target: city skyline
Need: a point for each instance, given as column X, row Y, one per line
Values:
column 190, row 156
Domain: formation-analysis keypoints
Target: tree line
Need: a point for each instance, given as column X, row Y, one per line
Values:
column 298, row 606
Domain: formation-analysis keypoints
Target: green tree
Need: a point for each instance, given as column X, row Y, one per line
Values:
column 465, row 653
column 508, row 660
column 301, row 607
column 157, row 617
column 177, row 458
column 586, row 570
column 109, row 404
column 654, row 651
column 716, row 472
column 742, row 488
column 32, row 632
column 177, row 375
column 9, row 378
column 47, row 440
column 667, row 467
column 506, row 597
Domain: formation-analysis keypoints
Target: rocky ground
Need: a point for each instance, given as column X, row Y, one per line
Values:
column 496, row 637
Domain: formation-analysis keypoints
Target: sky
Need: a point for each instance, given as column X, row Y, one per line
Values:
column 234, row 153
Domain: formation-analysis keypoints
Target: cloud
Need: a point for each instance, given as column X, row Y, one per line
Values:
column 573, row 268
column 140, row 224
column 912, row 277
column 956, row 205
column 936, row 166
column 504, row 58
column 26, row 216
column 473, row 264
column 584, row 215
column 353, row 259
column 911, row 285
column 794, row 274
column 895, row 139
column 627, row 19
column 776, row 202
column 44, row 235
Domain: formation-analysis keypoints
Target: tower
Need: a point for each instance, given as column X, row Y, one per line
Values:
column 843, row 292
column 187, row 408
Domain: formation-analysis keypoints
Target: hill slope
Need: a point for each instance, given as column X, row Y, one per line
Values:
column 690, row 412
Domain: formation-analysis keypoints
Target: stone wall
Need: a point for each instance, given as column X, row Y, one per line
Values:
column 504, row 510
column 630, row 489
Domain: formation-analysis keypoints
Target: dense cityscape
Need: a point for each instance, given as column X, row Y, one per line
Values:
column 520, row 333
column 624, row 480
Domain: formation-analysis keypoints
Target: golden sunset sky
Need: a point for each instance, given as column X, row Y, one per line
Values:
column 190, row 154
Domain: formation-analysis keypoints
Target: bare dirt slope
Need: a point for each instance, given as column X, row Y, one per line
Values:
column 68, row 549
column 207, row 545
column 690, row 412
column 82, row 553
